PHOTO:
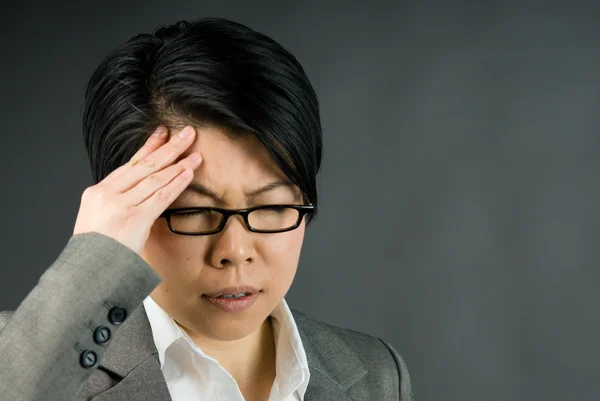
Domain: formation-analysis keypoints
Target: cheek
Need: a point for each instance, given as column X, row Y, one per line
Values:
column 171, row 254
column 283, row 246
column 281, row 253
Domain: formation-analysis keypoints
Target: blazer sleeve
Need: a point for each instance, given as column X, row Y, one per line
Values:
column 404, row 378
column 57, row 336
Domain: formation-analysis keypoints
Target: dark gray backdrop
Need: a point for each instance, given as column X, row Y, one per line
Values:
column 459, row 186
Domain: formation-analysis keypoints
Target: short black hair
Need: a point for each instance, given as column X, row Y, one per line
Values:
column 208, row 72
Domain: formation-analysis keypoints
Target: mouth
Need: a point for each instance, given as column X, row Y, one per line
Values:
column 233, row 299
column 233, row 296
column 233, row 292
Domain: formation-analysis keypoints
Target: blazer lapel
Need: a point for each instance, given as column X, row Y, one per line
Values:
column 134, row 359
column 325, row 388
column 334, row 367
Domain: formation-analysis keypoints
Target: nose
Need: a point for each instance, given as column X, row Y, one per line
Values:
column 233, row 246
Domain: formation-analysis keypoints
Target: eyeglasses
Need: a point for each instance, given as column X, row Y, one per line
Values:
column 268, row 219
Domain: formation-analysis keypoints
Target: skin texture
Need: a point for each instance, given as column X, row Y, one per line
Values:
column 194, row 265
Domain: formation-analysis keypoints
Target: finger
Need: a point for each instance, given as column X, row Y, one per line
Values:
column 157, row 160
column 161, row 199
column 156, row 140
column 148, row 186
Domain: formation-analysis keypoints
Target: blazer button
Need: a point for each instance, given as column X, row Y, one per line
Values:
column 88, row 359
column 102, row 335
column 117, row 315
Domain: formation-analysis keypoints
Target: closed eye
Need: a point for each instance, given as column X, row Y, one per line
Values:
column 275, row 208
column 191, row 213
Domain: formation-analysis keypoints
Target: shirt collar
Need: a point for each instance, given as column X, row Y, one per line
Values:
column 164, row 329
column 291, row 362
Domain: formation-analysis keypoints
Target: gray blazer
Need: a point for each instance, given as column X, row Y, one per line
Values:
column 82, row 334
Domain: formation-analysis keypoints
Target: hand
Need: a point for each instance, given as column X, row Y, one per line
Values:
column 125, row 204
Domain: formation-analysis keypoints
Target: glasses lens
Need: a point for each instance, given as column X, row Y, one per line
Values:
column 273, row 218
column 196, row 222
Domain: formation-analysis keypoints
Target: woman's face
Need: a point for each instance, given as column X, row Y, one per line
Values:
column 192, row 266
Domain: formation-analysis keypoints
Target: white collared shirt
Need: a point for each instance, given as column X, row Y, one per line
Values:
column 192, row 375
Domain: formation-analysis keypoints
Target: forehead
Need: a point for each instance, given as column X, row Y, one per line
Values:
column 230, row 164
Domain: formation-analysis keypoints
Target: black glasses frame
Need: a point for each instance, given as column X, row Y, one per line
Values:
column 227, row 213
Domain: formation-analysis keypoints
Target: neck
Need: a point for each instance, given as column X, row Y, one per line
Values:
column 248, row 360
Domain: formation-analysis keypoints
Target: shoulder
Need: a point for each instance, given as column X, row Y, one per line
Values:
column 364, row 344
column 375, row 353
column 350, row 354
column 5, row 317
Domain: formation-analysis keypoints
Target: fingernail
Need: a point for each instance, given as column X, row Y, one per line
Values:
column 160, row 131
column 195, row 157
column 184, row 133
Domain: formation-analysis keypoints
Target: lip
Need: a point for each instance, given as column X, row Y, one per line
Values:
column 246, row 289
column 233, row 304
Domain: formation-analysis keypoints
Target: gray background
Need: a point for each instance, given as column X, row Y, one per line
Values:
column 459, row 185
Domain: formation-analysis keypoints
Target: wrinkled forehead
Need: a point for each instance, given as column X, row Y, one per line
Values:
column 235, row 167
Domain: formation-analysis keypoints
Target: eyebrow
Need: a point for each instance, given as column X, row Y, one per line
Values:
column 200, row 189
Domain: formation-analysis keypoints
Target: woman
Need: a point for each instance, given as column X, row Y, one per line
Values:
column 204, row 140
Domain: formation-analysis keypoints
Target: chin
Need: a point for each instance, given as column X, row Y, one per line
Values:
column 210, row 322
